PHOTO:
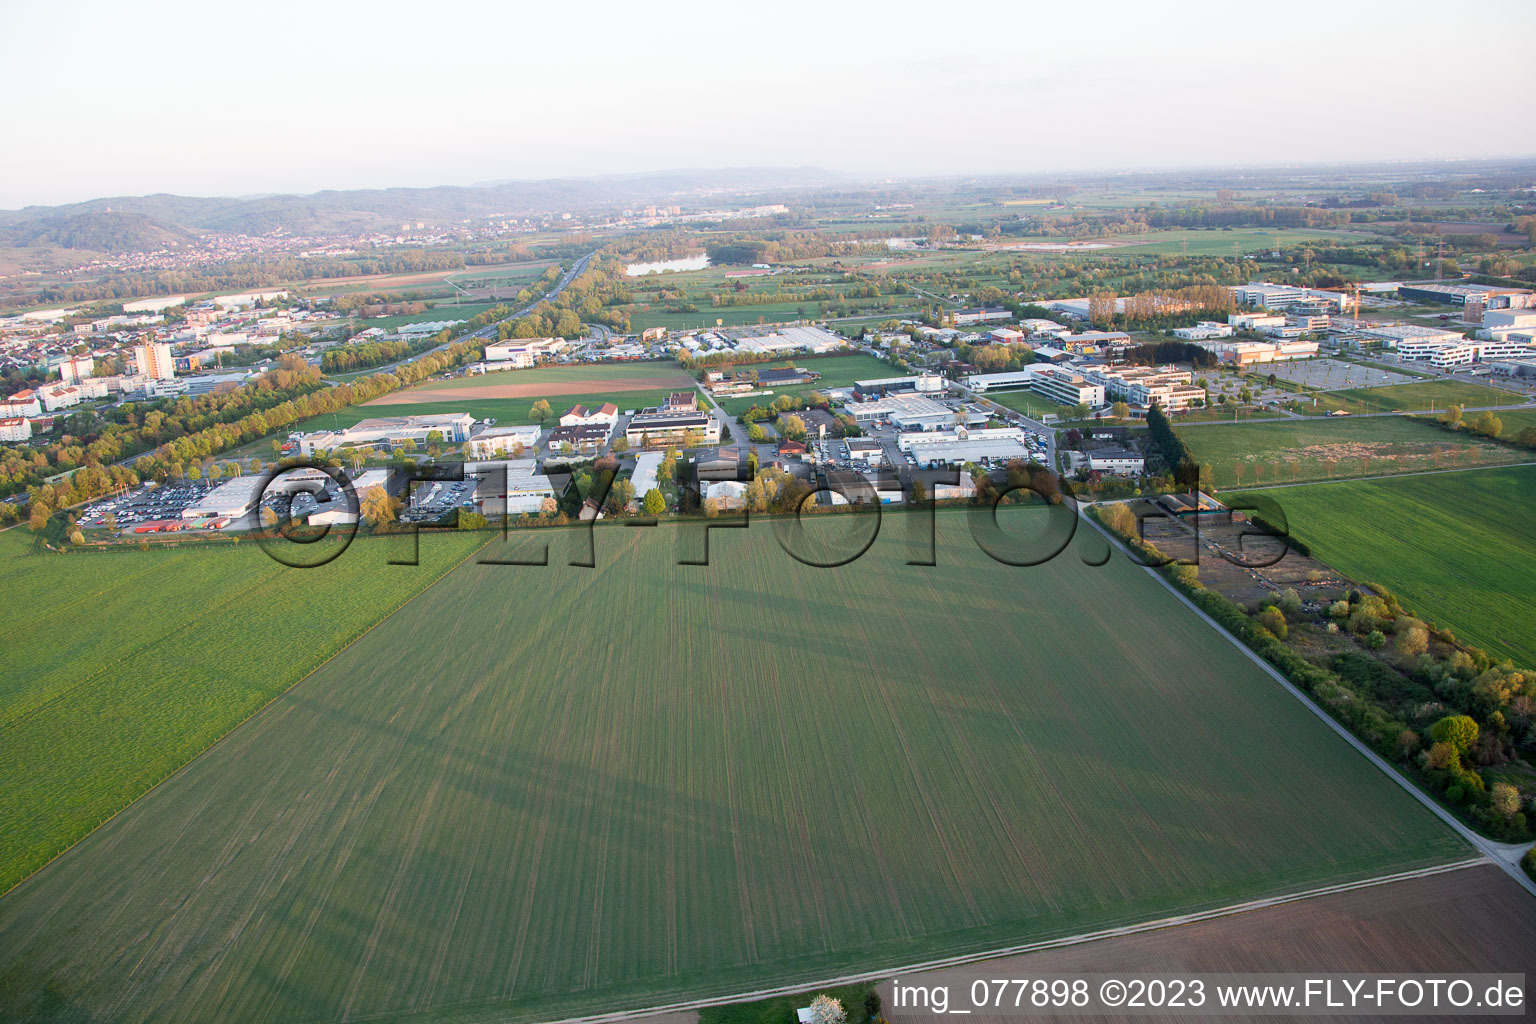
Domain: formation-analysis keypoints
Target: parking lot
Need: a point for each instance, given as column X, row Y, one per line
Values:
column 1331, row 374
column 146, row 504
column 432, row 501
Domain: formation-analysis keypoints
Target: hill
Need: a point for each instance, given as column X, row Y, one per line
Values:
column 154, row 221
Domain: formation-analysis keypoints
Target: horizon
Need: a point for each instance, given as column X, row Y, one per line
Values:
column 240, row 113
column 849, row 178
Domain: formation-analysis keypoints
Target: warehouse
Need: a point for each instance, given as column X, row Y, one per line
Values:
column 906, row 411
column 232, row 499
column 957, row 447
column 395, row 431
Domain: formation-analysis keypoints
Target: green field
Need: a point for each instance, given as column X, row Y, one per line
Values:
column 1287, row 451
column 1030, row 403
column 1420, row 396
column 1457, row 548
column 121, row 667
column 558, row 377
column 543, row 791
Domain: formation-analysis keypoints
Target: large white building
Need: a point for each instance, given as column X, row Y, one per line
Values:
column 1011, row 380
column 496, row 441
column 1066, row 387
column 1146, row 386
column 962, row 445
column 153, row 360
column 644, row 476
column 1203, row 331
column 907, row 410
column 1248, row 353
column 1279, row 296
column 1394, row 335
column 523, row 353
column 392, row 430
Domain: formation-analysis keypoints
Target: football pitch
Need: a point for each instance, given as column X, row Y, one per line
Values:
column 539, row 791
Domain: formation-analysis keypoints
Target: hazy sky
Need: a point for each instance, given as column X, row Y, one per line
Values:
column 104, row 99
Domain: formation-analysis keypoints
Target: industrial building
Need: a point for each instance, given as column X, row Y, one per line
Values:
column 1204, row 330
column 1117, row 461
column 962, row 445
column 1394, row 335
column 865, row 450
column 906, row 411
column 980, row 315
column 869, row 390
column 396, row 431
column 511, row 488
column 523, row 354
column 1282, row 296
column 1249, row 353
column 495, row 441
column 1011, row 380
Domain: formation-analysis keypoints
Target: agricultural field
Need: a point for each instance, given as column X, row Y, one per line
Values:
column 1292, row 451
column 428, row 281
column 568, row 790
column 732, row 316
column 1455, row 547
column 149, row 657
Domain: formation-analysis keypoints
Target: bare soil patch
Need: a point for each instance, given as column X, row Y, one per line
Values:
column 1475, row 919
column 533, row 389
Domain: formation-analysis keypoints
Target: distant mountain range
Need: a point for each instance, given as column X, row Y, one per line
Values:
column 145, row 223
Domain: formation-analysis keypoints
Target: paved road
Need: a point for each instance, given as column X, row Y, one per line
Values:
column 728, row 425
column 1505, row 855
